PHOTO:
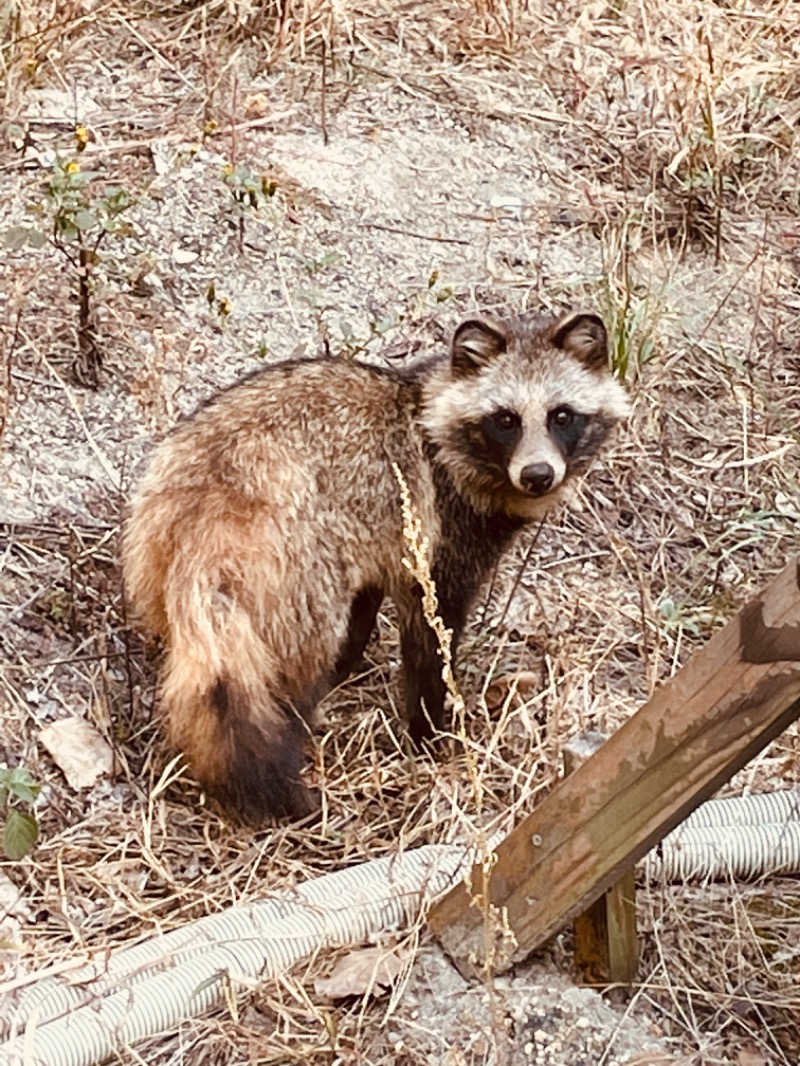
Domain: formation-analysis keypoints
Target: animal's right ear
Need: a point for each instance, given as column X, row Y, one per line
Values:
column 476, row 343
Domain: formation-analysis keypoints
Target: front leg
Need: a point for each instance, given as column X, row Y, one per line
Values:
column 469, row 546
column 425, row 689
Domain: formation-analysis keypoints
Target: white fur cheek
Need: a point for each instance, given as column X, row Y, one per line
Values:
column 440, row 412
column 618, row 402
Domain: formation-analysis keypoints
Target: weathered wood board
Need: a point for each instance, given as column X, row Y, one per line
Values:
column 734, row 695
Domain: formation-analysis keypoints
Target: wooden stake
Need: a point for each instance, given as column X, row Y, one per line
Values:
column 606, row 942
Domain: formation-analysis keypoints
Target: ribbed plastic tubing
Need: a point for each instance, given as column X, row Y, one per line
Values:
column 123, row 996
column 742, row 838
column 152, row 987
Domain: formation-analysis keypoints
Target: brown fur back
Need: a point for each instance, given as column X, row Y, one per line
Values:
column 267, row 529
column 233, row 553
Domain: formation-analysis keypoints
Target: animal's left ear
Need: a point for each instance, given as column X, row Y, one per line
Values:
column 583, row 336
column 476, row 343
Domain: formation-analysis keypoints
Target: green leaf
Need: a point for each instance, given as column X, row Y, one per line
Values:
column 208, row 982
column 330, row 259
column 77, row 179
column 21, row 833
column 64, row 223
column 20, row 783
column 37, row 239
column 384, row 325
column 117, row 200
column 84, row 220
column 17, row 237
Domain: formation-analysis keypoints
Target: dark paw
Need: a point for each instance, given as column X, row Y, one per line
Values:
column 275, row 800
column 423, row 733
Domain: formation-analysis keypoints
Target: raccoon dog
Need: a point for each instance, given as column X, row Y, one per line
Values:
column 267, row 530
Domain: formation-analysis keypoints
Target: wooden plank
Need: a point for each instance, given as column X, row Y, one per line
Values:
column 696, row 731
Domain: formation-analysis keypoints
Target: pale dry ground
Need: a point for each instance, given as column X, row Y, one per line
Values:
column 638, row 158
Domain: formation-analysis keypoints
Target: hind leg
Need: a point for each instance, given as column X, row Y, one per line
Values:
column 361, row 622
column 363, row 612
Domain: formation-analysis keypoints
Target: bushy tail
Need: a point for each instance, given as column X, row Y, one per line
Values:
column 242, row 745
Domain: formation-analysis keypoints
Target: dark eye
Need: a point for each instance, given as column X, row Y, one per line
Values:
column 562, row 417
column 505, row 420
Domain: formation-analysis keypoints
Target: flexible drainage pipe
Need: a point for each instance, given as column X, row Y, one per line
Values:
column 743, row 837
column 152, row 987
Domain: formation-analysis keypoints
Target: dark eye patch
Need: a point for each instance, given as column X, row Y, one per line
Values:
column 502, row 427
column 567, row 427
column 490, row 442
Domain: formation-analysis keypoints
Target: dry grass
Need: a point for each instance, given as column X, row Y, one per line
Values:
column 658, row 146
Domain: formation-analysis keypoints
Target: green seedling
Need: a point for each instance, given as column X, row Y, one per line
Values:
column 248, row 191
column 322, row 263
column 632, row 307
column 20, row 827
column 76, row 219
column 218, row 305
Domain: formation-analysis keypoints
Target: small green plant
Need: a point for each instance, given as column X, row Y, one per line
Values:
column 696, row 619
column 631, row 310
column 436, row 292
column 220, row 306
column 339, row 334
column 322, row 263
column 21, row 829
column 631, row 331
column 248, row 191
column 77, row 220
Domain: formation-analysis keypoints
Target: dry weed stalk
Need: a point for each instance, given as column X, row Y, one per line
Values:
column 289, row 30
column 33, row 32
column 498, row 938
column 490, row 25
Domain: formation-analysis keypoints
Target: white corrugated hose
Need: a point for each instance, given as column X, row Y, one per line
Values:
column 739, row 838
column 82, row 1018
column 154, row 986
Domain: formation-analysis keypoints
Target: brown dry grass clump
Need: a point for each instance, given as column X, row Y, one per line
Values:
column 421, row 160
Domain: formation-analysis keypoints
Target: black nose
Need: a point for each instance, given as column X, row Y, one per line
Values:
column 537, row 478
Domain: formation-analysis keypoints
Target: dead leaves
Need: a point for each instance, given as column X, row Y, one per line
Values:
column 363, row 971
column 523, row 685
column 750, row 1055
column 78, row 750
